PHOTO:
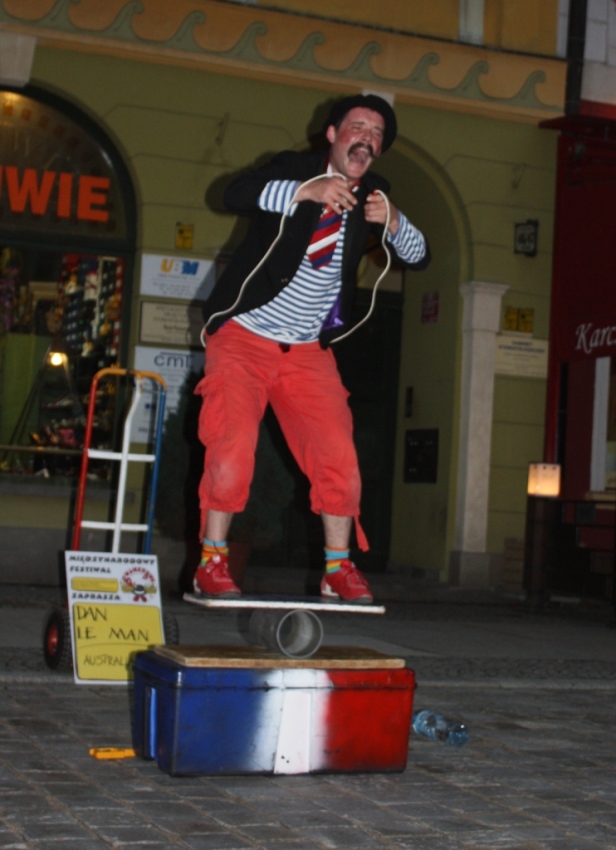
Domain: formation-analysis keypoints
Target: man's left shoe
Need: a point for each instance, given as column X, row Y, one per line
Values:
column 346, row 584
column 214, row 579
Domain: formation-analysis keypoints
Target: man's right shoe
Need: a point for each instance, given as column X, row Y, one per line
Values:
column 214, row 579
column 347, row 584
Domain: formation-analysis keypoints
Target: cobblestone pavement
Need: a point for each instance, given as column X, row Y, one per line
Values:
column 538, row 772
column 536, row 690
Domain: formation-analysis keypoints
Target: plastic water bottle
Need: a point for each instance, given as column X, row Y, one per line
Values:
column 438, row 728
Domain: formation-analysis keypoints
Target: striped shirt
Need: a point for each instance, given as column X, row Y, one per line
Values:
column 297, row 313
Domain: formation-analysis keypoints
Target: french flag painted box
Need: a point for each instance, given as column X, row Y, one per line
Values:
column 219, row 710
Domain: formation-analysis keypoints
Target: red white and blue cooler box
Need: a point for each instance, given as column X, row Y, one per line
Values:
column 217, row 710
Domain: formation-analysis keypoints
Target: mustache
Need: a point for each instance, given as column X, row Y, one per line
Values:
column 360, row 145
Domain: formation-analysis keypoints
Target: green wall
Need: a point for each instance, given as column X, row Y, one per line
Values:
column 21, row 358
column 486, row 175
column 421, row 512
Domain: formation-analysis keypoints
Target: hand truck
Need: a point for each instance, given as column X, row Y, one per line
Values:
column 56, row 632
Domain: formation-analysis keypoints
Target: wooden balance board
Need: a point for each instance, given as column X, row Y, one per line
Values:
column 289, row 603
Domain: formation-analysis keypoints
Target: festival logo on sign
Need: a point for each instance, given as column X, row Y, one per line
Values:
column 140, row 582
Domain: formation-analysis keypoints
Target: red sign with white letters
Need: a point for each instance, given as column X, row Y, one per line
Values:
column 583, row 307
column 584, row 284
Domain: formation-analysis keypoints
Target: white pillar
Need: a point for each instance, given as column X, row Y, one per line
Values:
column 470, row 21
column 600, row 418
column 16, row 57
column 481, row 322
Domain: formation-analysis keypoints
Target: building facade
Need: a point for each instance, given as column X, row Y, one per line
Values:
column 142, row 109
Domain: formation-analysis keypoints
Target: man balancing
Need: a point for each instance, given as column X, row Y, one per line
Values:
column 270, row 321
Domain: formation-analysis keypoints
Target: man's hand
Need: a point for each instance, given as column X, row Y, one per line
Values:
column 334, row 191
column 376, row 212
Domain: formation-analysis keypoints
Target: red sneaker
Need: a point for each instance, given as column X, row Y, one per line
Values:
column 347, row 584
column 214, row 579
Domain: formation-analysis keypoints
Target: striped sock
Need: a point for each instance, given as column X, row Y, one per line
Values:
column 210, row 548
column 333, row 559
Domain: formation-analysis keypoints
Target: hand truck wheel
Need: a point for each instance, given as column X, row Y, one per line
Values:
column 57, row 640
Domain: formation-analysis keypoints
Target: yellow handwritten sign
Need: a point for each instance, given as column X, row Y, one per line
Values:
column 108, row 636
column 115, row 610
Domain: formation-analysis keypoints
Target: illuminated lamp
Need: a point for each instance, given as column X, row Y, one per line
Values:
column 56, row 355
column 544, row 480
column 56, row 358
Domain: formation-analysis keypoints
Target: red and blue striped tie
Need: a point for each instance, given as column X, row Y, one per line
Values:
column 324, row 239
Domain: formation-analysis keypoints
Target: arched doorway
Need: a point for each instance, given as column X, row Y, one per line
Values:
column 423, row 507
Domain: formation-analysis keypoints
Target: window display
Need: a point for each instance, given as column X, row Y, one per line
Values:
column 65, row 208
column 77, row 317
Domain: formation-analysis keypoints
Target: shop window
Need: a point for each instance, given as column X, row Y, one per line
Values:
column 62, row 331
column 57, row 179
column 65, row 249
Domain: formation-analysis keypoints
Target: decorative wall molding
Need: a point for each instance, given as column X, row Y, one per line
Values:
column 298, row 49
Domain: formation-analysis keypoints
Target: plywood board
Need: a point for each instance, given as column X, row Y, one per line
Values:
column 326, row 658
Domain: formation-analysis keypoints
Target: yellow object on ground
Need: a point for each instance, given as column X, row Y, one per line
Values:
column 111, row 752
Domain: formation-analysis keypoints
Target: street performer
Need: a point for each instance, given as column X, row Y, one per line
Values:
column 270, row 321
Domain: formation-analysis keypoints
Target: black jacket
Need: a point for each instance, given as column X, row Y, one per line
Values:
column 241, row 196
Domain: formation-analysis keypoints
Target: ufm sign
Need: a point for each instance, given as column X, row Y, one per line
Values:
column 54, row 192
column 181, row 278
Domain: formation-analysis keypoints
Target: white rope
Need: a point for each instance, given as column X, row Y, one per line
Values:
column 380, row 277
column 277, row 239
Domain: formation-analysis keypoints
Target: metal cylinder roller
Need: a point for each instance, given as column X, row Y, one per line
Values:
column 296, row 633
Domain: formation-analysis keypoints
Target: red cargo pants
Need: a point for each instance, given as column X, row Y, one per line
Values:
column 243, row 372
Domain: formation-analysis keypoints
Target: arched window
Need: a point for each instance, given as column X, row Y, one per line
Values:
column 67, row 239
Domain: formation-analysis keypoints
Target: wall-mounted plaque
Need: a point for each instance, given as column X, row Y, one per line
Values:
column 166, row 323
column 521, row 356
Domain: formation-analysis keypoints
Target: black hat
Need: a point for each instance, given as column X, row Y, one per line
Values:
column 366, row 101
